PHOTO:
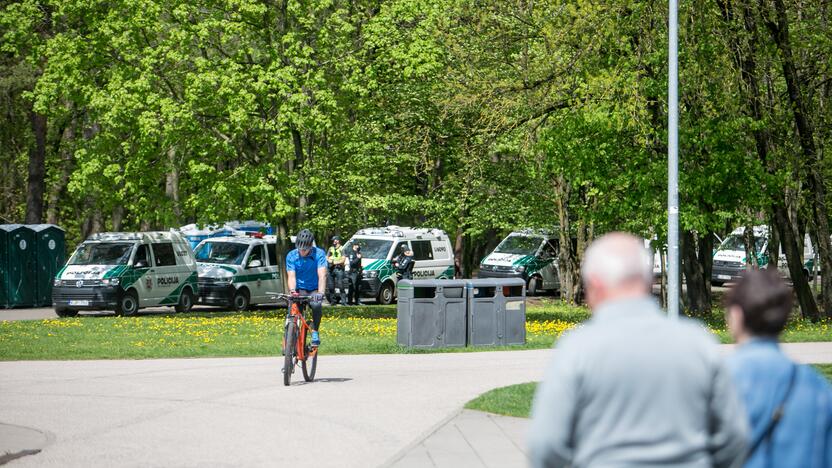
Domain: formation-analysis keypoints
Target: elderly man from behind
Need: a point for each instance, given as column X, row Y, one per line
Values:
column 631, row 387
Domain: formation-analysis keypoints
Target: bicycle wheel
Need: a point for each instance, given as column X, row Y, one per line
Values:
column 310, row 364
column 290, row 338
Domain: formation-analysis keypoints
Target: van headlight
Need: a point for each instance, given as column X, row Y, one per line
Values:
column 371, row 274
column 223, row 280
column 520, row 269
column 56, row 282
column 110, row 281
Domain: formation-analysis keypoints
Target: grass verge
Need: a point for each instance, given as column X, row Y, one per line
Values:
column 516, row 400
column 345, row 330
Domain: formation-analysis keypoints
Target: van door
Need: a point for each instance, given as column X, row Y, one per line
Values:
column 425, row 267
column 141, row 276
column 275, row 281
column 549, row 270
column 166, row 277
column 256, row 273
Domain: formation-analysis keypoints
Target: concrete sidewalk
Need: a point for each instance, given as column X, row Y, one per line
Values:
column 395, row 410
column 483, row 440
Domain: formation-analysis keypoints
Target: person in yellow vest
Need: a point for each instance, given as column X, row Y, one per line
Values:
column 336, row 290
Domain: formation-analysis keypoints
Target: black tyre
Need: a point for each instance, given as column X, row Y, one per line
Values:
column 128, row 304
column 717, row 283
column 310, row 365
column 385, row 295
column 290, row 338
column 533, row 288
column 186, row 301
column 62, row 312
column 241, row 300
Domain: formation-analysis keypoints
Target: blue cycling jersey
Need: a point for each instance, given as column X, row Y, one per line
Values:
column 306, row 267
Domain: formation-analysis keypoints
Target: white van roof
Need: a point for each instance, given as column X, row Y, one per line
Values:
column 240, row 237
column 759, row 231
column 533, row 232
column 147, row 236
column 402, row 231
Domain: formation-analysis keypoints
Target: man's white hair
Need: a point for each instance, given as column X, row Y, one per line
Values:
column 617, row 258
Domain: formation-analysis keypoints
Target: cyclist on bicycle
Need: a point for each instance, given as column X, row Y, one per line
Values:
column 306, row 272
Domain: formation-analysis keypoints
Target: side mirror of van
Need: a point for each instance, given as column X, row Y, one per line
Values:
column 255, row 264
column 141, row 264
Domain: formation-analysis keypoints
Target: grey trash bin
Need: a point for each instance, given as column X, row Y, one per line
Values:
column 496, row 311
column 431, row 313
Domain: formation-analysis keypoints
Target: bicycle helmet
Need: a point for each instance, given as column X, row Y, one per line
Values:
column 304, row 239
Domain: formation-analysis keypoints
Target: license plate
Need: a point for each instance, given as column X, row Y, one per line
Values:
column 725, row 277
column 79, row 302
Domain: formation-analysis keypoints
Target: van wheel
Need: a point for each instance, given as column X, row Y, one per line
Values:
column 241, row 300
column 534, row 284
column 186, row 301
column 385, row 296
column 717, row 283
column 128, row 304
column 62, row 312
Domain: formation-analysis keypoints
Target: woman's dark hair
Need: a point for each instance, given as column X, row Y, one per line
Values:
column 765, row 300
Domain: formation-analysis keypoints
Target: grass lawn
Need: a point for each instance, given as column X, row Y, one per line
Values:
column 345, row 330
column 516, row 400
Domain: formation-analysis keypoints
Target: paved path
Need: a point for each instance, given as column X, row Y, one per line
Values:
column 481, row 440
column 364, row 411
column 236, row 412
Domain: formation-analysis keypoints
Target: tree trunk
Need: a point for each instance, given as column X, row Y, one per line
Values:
column 808, row 306
column 779, row 29
column 570, row 279
column 297, row 141
column 37, row 170
column 67, row 163
column 706, row 259
column 459, row 250
column 750, row 242
column 699, row 303
column 172, row 185
column 118, row 217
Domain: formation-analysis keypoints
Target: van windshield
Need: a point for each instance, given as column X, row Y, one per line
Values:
column 524, row 245
column 102, row 253
column 229, row 253
column 370, row 248
column 737, row 242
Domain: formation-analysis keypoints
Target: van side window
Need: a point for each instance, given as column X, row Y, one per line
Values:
column 272, row 254
column 257, row 254
column 164, row 254
column 421, row 250
column 550, row 249
column 142, row 253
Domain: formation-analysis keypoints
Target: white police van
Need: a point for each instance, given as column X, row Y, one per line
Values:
column 127, row 271
column 730, row 260
column 239, row 270
column 432, row 252
column 528, row 254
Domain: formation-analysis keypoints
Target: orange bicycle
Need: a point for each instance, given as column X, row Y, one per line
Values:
column 295, row 333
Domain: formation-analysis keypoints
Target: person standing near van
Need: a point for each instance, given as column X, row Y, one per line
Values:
column 336, row 260
column 306, row 274
column 789, row 406
column 354, row 275
column 404, row 263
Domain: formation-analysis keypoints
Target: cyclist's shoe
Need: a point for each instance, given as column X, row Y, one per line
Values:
column 316, row 339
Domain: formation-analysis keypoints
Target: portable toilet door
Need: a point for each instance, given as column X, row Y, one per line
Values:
column 4, row 266
column 50, row 255
column 21, row 269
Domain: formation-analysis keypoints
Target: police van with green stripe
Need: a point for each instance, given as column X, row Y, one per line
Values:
column 238, row 271
column 127, row 271
column 527, row 254
column 432, row 254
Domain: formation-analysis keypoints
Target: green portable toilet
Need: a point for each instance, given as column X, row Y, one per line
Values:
column 4, row 266
column 50, row 255
column 20, row 270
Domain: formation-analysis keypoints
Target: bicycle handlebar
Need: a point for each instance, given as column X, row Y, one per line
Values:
column 289, row 296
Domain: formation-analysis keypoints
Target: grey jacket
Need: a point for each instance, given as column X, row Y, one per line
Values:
column 632, row 388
